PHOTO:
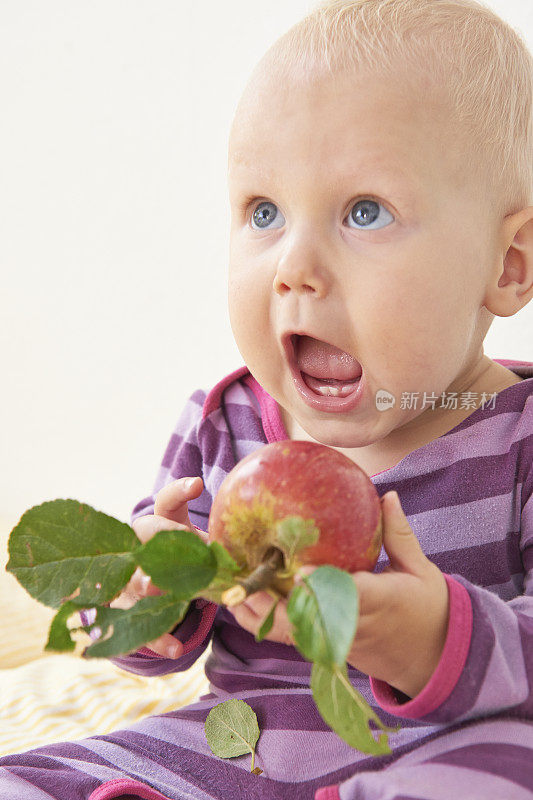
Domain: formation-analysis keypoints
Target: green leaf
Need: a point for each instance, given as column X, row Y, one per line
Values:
column 62, row 546
column 224, row 578
column 345, row 710
column 231, row 729
column 59, row 638
column 125, row 630
column 324, row 614
column 267, row 623
column 295, row 533
column 225, row 563
column 178, row 561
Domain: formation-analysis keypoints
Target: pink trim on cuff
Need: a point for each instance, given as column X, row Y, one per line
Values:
column 270, row 415
column 447, row 672
column 121, row 786
column 209, row 611
column 208, row 615
column 328, row 793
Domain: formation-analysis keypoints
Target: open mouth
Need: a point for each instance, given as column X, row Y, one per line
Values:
column 326, row 378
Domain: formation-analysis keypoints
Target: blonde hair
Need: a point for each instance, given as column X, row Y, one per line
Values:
column 459, row 46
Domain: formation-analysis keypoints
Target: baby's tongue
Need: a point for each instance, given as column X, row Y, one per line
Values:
column 322, row 360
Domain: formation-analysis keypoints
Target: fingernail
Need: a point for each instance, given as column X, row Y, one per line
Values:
column 175, row 650
column 145, row 582
column 188, row 482
column 395, row 503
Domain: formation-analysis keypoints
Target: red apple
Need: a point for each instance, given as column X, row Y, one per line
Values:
column 304, row 479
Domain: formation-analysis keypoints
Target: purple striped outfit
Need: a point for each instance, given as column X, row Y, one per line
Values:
column 468, row 734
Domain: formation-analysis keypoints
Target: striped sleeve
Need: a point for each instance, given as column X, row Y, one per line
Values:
column 487, row 662
column 182, row 458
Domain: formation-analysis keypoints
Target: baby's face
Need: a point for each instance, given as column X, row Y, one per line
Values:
column 353, row 223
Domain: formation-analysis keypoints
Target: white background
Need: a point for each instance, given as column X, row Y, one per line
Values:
column 114, row 232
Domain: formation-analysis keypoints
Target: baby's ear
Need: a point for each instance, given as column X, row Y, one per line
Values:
column 510, row 286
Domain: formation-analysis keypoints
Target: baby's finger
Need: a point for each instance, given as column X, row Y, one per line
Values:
column 171, row 501
column 167, row 646
column 141, row 586
column 147, row 526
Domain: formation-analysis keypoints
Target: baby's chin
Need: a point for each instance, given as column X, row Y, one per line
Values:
column 346, row 441
column 343, row 433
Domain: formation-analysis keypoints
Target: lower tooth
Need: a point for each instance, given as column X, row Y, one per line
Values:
column 328, row 391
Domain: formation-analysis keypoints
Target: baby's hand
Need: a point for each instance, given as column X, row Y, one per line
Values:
column 403, row 611
column 170, row 513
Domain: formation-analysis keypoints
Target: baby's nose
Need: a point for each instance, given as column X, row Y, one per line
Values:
column 301, row 275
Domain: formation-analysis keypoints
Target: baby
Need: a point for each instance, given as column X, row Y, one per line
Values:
column 380, row 178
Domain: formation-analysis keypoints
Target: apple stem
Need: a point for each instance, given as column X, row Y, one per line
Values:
column 260, row 578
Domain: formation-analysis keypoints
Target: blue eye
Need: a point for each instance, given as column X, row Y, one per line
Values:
column 264, row 213
column 366, row 212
